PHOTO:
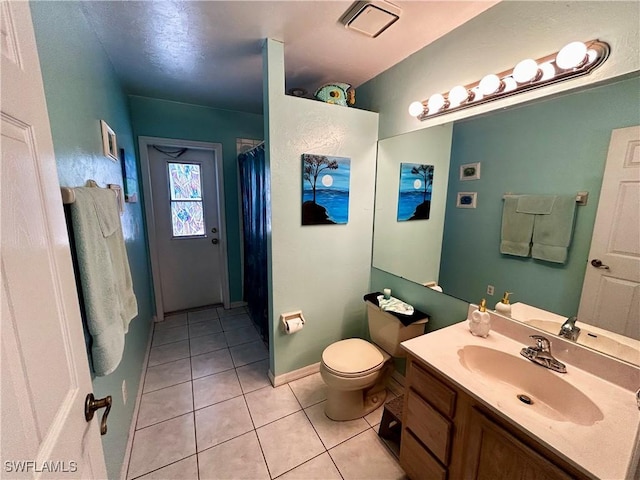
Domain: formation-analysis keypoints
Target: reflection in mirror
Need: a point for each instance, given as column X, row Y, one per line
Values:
column 550, row 147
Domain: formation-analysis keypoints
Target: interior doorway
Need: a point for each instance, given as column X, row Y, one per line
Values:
column 184, row 210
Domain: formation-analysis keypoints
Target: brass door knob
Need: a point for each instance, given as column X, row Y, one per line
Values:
column 90, row 407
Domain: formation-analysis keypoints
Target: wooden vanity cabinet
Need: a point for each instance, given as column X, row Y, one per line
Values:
column 446, row 434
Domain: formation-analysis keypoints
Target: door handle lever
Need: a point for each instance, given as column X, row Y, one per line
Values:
column 598, row 264
column 90, row 407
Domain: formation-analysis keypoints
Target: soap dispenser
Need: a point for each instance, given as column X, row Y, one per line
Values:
column 503, row 307
column 480, row 321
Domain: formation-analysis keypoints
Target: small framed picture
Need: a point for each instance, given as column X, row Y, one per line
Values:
column 109, row 144
column 470, row 171
column 467, row 199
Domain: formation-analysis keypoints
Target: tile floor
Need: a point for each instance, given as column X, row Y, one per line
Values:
column 208, row 411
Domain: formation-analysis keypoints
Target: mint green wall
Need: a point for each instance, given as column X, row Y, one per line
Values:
column 81, row 88
column 323, row 270
column 557, row 146
column 162, row 118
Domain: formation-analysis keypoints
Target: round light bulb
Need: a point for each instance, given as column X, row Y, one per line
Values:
column 571, row 55
column 548, row 71
column 490, row 84
column 525, row 71
column 457, row 95
column 435, row 103
column 416, row 108
column 509, row 84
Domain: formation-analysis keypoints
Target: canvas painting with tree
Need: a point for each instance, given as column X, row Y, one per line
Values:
column 414, row 194
column 325, row 189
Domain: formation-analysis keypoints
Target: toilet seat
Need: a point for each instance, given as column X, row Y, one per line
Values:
column 353, row 358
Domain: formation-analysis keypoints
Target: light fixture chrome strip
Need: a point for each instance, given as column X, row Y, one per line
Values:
column 573, row 60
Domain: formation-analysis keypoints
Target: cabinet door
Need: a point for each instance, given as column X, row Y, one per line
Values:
column 492, row 453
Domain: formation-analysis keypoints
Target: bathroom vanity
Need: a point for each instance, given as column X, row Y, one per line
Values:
column 463, row 417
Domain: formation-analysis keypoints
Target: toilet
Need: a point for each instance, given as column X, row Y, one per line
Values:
column 356, row 371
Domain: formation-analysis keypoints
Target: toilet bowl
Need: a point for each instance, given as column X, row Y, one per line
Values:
column 356, row 371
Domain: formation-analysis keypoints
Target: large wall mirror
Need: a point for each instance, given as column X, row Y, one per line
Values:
column 554, row 146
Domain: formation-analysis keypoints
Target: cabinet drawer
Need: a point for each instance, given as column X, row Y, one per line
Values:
column 437, row 393
column 418, row 462
column 429, row 426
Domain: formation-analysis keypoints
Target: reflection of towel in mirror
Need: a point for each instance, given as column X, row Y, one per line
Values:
column 517, row 229
column 552, row 233
column 394, row 305
column 103, row 267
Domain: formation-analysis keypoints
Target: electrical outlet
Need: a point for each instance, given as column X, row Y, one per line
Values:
column 490, row 289
column 124, row 392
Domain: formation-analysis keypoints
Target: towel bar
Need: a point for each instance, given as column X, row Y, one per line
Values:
column 581, row 197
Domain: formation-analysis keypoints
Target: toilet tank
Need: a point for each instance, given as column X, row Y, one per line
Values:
column 388, row 332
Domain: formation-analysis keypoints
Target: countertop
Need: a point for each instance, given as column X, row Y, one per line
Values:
column 604, row 449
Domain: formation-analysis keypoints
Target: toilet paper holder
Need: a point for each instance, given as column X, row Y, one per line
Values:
column 285, row 318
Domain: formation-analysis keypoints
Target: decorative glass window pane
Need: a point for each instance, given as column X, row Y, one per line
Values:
column 187, row 219
column 184, row 181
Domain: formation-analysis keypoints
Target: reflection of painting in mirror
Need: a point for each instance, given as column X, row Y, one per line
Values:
column 325, row 192
column 552, row 146
column 414, row 194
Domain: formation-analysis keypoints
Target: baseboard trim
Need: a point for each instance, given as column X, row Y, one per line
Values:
column 278, row 380
column 237, row 304
column 134, row 418
column 398, row 377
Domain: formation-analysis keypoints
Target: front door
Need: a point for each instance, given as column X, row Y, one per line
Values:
column 44, row 373
column 184, row 186
column 611, row 289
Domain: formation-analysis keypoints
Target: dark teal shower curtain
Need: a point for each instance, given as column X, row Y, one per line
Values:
column 255, row 200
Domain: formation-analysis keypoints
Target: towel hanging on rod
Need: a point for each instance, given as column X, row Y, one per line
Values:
column 69, row 196
column 581, row 197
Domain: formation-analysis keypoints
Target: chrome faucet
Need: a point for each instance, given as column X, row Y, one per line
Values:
column 541, row 354
column 569, row 329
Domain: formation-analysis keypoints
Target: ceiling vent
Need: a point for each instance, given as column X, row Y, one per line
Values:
column 371, row 17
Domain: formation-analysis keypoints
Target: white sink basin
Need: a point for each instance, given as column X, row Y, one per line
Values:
column 551, row 396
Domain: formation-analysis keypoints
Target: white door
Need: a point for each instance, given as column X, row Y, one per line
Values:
column 611, row 296
column 45, row 372
column 184, row 186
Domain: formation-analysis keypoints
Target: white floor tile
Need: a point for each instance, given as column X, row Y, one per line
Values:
column 167, row 374
column 269, row 404
column 162, row 444
column 241, row 335
column 171, row 321
column 319, row 468
column 288, row 443
column 237, row 459
column 331, row 432
column 231, row 311
column 210, row 363
column 169, row 335
column 207, row 327
column 364, row 457
column 202, row 315
column 254, row 376
column 215, row 388
column 186, row 469
column 165, row 404
column 309, row 390
column 235, row 321
column 222, row 421
column 207, row 343
column 249, row 353
column 169, row 353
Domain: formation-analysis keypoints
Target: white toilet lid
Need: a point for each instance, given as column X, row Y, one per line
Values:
column 353, row 355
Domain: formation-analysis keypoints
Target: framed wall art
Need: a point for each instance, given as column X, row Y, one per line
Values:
column 470, row 171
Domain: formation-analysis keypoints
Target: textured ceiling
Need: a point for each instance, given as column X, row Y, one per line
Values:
column 209, row 52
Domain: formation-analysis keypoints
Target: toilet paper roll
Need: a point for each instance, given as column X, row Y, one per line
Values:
column 293, row 325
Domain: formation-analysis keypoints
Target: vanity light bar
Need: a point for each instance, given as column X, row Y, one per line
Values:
column 573, row 60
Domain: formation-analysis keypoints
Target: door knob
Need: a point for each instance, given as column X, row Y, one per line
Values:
column 90, row 407
column 598, row 264
column 214, row 241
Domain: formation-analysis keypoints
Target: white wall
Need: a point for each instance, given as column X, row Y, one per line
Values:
column 323, row 270
column 495, row 41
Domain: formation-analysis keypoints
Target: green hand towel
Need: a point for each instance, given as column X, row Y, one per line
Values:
column 516, row 229
column 536, row 204
column 552, row 233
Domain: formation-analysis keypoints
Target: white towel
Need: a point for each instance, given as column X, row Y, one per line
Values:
column 394, row 305
column 109, row 300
